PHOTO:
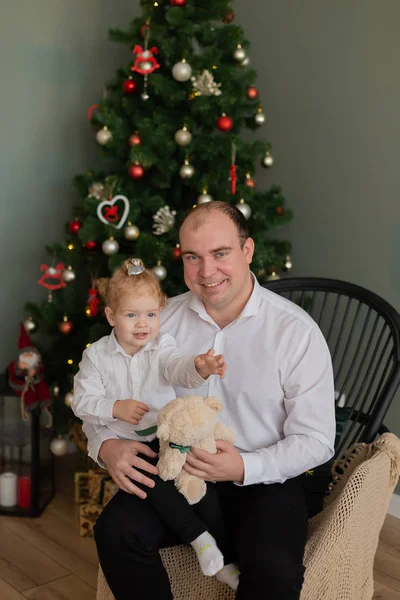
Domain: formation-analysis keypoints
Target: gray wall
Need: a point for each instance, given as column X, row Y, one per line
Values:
column 328, row 74
column 54, row 59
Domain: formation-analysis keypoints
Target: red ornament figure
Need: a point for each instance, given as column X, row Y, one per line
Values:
column 178, row 2
column 145, row 62
column 111, row 214
column 233, row 177
column 52, row 279
column 25, row 375
column 224, row 123
column 252, row 92
column 93, row 303
column 75, row 226
column 129, row 86
column 136, row 171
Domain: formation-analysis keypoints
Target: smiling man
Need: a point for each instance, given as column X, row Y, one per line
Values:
column 279, row 397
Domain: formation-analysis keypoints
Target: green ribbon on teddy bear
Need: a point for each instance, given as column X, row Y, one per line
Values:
column 153, row 429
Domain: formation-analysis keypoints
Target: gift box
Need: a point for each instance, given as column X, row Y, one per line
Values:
column 96, row 483
column 88, row 515
column 110, row 489
column 81, row 487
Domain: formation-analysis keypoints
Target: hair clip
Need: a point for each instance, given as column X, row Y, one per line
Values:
column 136, row 267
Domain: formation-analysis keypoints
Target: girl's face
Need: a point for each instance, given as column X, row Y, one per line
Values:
column 136, row 320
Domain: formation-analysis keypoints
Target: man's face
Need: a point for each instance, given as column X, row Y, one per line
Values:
column 216, row 268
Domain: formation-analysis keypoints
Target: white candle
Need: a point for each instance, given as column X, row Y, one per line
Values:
column 8, row 489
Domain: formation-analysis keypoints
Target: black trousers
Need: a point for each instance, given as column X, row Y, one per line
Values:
column 266, row 527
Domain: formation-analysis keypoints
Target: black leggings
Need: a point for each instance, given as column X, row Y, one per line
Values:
column 266, row 527
column 185, row 520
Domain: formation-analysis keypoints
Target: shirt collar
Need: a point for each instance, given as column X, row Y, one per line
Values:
column 114, row 347
column 251, row 309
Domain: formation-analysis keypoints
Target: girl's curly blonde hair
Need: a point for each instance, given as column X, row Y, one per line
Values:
column 112, row 288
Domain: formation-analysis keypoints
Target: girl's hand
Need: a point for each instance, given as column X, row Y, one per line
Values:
column 131, row 411
column 208, row 364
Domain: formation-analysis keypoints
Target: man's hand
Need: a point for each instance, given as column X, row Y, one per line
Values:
column 226, row 465
column 131, row 411
column 208, row 364
column 120, row 457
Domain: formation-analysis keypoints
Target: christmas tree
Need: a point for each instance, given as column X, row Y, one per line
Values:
column 170, row 130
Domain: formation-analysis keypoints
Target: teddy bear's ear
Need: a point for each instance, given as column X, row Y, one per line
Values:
column 214, row 402
column 163, row 431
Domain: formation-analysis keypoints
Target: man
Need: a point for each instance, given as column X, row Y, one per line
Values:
column 279, row 397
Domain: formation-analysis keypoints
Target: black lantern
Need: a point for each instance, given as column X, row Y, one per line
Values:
column 26, row 463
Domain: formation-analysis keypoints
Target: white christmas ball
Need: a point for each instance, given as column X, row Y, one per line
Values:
column 240, row 54
column 103, row 136
column 259, row 118
column 183, row 137
column 110, row 247
column 182, row 71
column 59, row 446
column 186, row 171
column 160, row 272
column 131, row 232
column 146, row 65
column 30, row 325
column 204, row 198
column 244, row 209
column 68, row 399
column 267, row 161
column 68, row 275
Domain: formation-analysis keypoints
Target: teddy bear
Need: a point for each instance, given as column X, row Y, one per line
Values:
column 182, row 423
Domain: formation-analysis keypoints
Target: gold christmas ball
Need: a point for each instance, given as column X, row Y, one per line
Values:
column 131, row 232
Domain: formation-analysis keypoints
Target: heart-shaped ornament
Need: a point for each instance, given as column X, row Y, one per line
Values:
column 111, row 207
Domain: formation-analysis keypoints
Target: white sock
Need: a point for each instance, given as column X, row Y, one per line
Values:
column 208, row 554
column 230, row 575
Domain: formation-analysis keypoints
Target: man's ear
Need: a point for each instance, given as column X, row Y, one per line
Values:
column 109, row 314
column 248, row 249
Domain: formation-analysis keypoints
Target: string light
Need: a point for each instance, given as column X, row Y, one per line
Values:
column 70, row 246
column 70, row 361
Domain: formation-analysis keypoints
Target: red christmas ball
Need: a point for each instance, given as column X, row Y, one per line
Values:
column 75, row 226
column 224, row 123
column 178, row 2
column 135, row 140
column 176, row 252
column 280, row 210
column 129, row 86
column 250, row 182
column 136, row 171
column 252, row 92
column 65, row 327
column 91, row 245
column 229, row 17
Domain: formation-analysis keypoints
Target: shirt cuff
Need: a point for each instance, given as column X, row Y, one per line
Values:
column 253, row 468
column 196, row 378
column 95, row 445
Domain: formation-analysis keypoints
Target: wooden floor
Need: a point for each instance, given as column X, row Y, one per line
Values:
column 45, row 559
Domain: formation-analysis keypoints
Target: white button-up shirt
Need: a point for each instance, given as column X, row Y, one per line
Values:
column 107, row 373
column 278, row 388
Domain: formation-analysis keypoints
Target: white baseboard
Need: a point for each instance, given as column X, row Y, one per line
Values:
column 394, row 506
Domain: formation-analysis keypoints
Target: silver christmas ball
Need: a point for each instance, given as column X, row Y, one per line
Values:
column 240, row 54
column 160, row 272
column 59, row 446
column 103, row 136
column 145, row 96
column 68, row 275
column 244, row 209
column 259, row 118
column 146, row 65
column 56, row 390
column 30, row 325
column 183, row 137
column 68, row 399
column 204, row 198
column 267, row 161
column 245, row 62
column 131, row 232
column 110, row 247
column 186, row 171
column 182, row 71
